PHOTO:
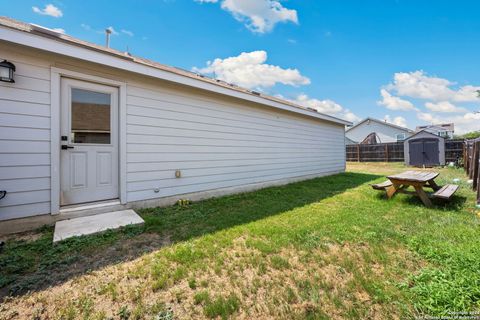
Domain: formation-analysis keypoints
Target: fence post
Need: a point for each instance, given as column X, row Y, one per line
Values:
column 472, row 160
column 476, row 166
column 386, row 152
column 358, row 153
column 478, row 178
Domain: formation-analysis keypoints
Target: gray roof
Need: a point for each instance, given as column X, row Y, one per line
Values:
column 381, row 122
column 437, row 127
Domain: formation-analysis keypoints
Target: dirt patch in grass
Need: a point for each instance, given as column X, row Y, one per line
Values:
column 341, row 281
column 27, row 236
column 117, row 253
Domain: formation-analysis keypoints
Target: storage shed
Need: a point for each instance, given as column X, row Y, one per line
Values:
column 424, row 149
column 85, row 128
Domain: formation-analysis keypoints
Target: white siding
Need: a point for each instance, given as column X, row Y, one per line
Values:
column 216, row 141
column 385, row 132
column 25, row 138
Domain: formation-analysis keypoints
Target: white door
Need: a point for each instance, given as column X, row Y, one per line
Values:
column 89, row 139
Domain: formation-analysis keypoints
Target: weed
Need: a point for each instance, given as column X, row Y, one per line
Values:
column 111, row 289
column 222, row 307
column 124, row 313
column 278, row 262
column 192, row 283
column 201, row 297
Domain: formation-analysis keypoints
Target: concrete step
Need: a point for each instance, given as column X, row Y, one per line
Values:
column 82, row 210
column 94, row 223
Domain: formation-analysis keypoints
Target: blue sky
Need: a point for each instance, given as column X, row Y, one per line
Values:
column 410, row 61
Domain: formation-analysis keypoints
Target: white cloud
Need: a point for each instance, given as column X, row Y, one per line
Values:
column 419, row 85
column 399, row 121
column 258, row 15
column 49, row 10
column 350, row 116
column 444, row 106
column 466, row 123
column 442, row 97
column 394, row 103
column 323, row 106
column 249, row 70
column 86, row 27
column 127, row 32
column 467, row 94
column 327, row 106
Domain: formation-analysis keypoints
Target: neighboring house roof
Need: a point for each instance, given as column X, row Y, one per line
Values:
column 381, row 122
column 427, row 132
column 438, row 127
column 349, row 141
column 29, row 35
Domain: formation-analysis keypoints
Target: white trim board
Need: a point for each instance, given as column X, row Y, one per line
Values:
column 68, row 49
column 55, row 75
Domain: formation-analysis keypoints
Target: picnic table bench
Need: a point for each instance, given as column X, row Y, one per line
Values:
column 419, row 180
column 382, row 186
column 446, row 192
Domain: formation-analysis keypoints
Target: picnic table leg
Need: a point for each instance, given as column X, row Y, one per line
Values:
column 392, row 190
column 434, row 186
column 423, row 196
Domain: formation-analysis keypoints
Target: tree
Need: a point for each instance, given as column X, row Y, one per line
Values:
column 469, row 135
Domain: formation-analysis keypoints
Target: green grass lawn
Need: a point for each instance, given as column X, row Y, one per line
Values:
column 325, row 248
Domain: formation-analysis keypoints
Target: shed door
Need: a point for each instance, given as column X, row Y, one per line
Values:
column 89, row 130
column 416, row 152
column 424, row 152
column 430, row 152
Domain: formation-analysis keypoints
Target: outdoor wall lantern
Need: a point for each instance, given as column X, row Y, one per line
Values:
column 6, row 71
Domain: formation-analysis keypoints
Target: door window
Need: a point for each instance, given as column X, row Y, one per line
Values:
column 90, row 116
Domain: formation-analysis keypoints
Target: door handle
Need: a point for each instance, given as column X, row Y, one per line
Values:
column 65, row 147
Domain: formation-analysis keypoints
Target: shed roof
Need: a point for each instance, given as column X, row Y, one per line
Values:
column 424, row 131
column 32, row 36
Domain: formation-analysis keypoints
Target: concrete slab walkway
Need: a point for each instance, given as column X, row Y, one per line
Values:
column 93, row 224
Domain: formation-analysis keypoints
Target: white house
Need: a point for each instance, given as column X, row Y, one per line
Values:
column 86, row 127
column 384, row 131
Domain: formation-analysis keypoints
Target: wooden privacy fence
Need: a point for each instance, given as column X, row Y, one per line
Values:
column 453, row 150
column 472, row 163
column 388, row 152
column 393, row 151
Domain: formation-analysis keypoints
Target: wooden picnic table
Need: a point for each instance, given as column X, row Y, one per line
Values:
column 416, row 179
